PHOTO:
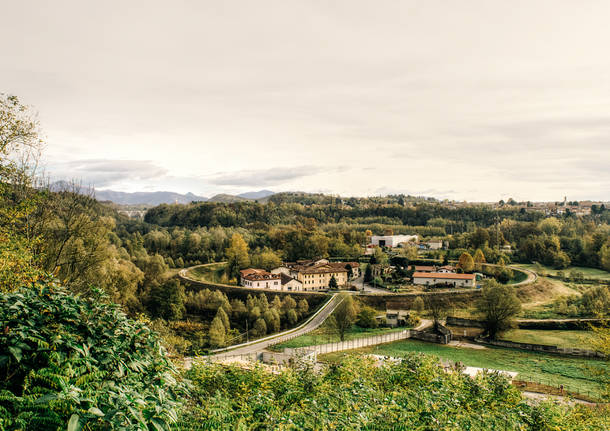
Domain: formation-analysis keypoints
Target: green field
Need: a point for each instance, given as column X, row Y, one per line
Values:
column 212, row 273
column 322, row 336
column 578, row 339
column 589, row 273
column 574, row 373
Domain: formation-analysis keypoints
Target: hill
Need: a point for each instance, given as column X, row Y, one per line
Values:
column 256, row 195
column 148, row 198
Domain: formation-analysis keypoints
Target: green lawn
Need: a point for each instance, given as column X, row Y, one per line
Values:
column 589, row 273
column 322, row 336
column 212, row 273
column 578, row 339
column 574, row 373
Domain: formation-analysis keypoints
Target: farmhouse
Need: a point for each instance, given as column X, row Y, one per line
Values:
column 392, row 241
column 316, row 275
column 443, row 278
column 259, row 278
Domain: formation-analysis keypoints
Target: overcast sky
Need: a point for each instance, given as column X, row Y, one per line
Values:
column 477, row 100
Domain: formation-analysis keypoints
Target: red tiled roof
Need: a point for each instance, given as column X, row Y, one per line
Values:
column 253, row 274
column 424, row 268
column 444, row 275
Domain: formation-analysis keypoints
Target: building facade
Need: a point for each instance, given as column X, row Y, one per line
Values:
column 444, row 279
column 392, row 241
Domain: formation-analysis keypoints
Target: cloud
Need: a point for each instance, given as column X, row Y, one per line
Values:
column 267, row 177
column 104, row 173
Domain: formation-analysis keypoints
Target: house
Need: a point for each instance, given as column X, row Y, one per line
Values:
column 290, row 284
column 259, row 278
column 316, row 275
column 446, row 269
column 395, row 318
column 392, row 241
column 443, row 278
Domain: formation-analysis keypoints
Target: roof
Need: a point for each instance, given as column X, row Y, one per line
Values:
column 444, row 275
column 287, row 279
column 424, row 268
column 324, row 268
column 254, row 274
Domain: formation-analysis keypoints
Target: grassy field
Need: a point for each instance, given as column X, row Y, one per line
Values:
column 322, row 336
column 212, row 273
column 574, row 373
column 579, row 339
column 589, row 273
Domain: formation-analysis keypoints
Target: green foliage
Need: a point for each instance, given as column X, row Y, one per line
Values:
column 167, row 300
column 366, row 317
column 412, row 394
column 217, row 333
column 498, row 305
column 344, row 316
column 237, row 255
column 418, row 305
column 70, row 361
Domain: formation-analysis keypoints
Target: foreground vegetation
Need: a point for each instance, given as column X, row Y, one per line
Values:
column 414, row 394
column 574, row 373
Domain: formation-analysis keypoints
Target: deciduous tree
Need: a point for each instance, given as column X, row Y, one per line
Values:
column 498, row 306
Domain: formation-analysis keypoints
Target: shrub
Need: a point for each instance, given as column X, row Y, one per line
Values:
column 80, row 363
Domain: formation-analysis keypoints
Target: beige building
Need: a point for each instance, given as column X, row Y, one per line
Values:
column 443, row 278
column 316, row 275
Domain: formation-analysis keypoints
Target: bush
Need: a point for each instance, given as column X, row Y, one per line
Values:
column 74, row 362
column 366, row 318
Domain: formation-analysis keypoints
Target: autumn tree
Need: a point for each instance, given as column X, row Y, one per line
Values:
column 237, row 255
column 217, row 333
column 498, row 306
column 466, row 262
column 479, row 259
column 344, row 316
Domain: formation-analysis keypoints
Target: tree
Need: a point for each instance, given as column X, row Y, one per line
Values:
column 332, row 284
column 498, row 306
column 418, row 305
column 437, row 305
column 366, row 318
column 368, row 274
column 292, row 317
column 237, row 255
column 479, row 259
column 303, row 307
column 217, row 332
column 167, row 300
column 344, row 316
column 224, row 318
column 604, row 257
column 260, row 327
column 466, row 262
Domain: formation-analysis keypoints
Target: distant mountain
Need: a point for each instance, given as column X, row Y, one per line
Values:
column 256, row 195
column 225, row 198
column 146, row 198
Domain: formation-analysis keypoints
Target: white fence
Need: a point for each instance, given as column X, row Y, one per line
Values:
column 357, row 343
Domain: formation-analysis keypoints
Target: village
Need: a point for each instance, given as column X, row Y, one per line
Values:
column 323, row 275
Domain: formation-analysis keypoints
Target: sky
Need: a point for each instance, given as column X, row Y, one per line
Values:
column 465, row 100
